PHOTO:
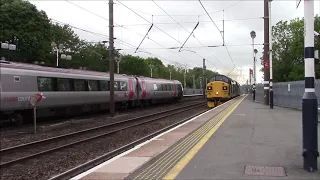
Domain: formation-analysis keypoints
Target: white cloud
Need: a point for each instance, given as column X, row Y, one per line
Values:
column 236, row 31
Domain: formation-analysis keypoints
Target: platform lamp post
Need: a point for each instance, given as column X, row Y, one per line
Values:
column 118, row 60
column 58, row 49
column 151, row 68
column 253, row 35
column 6, row 46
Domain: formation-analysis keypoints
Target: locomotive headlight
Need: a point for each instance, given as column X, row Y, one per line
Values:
column 209, row 88
column 217, row 93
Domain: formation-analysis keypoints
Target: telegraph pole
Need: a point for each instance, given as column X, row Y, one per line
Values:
column 193, row 80
column 266, row 53
column 204, row 79
column 309, row 100
column 111, row 59
column 270, row 54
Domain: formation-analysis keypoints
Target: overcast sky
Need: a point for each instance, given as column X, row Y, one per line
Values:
column 240, row 18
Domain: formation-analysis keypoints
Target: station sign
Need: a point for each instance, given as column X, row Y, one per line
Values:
column 266, row 64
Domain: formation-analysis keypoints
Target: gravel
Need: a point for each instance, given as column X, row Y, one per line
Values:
column 52, row 164
column 25, row 135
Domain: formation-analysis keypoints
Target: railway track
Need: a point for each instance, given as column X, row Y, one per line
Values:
column 7, row 127
column 21, row 153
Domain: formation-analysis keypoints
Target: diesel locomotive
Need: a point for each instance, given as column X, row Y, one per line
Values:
column 221, row 89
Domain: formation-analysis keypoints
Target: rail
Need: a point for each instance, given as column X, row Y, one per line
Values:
column 20, row 153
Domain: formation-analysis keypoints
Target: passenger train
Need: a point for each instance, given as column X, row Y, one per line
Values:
column 61, row 91
column 220, row 89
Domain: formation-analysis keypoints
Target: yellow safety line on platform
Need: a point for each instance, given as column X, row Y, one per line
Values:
column 181, row 148
column 165, row 162
column 183, row 162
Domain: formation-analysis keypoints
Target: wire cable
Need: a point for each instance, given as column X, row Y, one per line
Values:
column 126, row 43
column 187, row 31
column 219, row 31
column 191, row 22
column 128, row 29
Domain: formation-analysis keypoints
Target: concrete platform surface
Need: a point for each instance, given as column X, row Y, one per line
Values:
column 254, row 142
column 125, row 164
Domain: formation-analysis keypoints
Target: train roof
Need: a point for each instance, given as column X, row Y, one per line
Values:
column 230, row 79
column 35, row 67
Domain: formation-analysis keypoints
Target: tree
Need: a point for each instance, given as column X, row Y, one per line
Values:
column 288, row 50
column 26, row 27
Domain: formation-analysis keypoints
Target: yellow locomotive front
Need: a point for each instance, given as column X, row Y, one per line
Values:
column 219, row 89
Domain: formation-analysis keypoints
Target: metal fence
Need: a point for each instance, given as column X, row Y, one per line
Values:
column 187, row 91
column 288, row 94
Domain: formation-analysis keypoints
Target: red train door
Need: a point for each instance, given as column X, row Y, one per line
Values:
column 175, row 90
column 131, row 93
column 143, row 87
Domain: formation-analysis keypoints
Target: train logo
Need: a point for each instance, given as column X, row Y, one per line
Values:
column 40, row 97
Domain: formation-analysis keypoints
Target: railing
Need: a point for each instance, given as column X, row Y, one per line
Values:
column 287, row 94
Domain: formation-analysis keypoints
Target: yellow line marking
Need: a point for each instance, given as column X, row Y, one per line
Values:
column 191, row 140
column 212, row 123
column 173, row 150
column 181, row 164
column 193, row 137
column 186, row 142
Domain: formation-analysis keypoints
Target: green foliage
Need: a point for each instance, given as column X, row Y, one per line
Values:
column 288, row 50
column 32, row 32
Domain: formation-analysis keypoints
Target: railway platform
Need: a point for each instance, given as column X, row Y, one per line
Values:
column 240, row 139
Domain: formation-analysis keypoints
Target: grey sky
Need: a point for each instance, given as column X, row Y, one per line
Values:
column 240, row 19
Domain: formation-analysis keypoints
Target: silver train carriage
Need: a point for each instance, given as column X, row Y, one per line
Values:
column 61, row 91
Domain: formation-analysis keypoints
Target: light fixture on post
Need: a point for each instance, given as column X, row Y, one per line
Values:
column 118, row 60
column 6, row 46
column 58, row 49
column 253, row 35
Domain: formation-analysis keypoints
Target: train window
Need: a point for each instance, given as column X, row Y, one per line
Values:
column 155, row 87
column 63, row 84
column 79, row 85
column 45, row 84
column 116, row 86
column 218, row 78
column 104, row 85
column 225, row 79
column 93, row 85
column 123, row 86
column 163, row 87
